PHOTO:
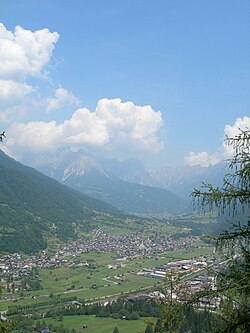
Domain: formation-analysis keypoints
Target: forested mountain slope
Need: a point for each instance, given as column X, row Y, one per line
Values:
column 32, row 205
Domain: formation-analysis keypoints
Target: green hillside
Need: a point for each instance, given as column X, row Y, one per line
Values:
column 33, row 205
column 128, row 197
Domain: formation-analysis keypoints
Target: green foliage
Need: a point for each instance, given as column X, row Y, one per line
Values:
column 116, row 330
column 158, row 326
column 233, row 284
column 149, row 329
column 118, row 309
column 5, row 327
column 236, row 185
column 24, row 324
column 185, row 319
column 33, row 205
column 171, row 309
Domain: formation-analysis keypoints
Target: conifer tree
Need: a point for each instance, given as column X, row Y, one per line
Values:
column 149, row 329
column 233, row 284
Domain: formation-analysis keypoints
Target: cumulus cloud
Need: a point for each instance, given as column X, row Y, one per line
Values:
column 11, row 114
column 127, row 121
column 111, row 125
column 25, row 53
column 35, row 135
column 203, row 159
column 10, row 89
column 232, row 131
column 62, row 97
column 226, row 151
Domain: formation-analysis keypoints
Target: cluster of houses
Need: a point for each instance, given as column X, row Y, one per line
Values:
column 131, row 245
column 15, row 266
column 180, row 267
column 199, row 279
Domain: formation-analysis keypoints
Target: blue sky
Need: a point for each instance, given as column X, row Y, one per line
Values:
column 190, row 60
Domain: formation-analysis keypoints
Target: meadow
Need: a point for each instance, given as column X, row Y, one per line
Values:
column 98, row 283
column 100, row 325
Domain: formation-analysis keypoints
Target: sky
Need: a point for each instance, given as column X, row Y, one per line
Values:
column 159, row 80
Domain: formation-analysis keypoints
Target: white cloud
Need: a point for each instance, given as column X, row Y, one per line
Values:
column 128, row 122
column 25, row 53
column 203, row 159
column 226, row 151
column 62, row 97
column 231, row 131
column 11, row 114
column 112, row 125
column 240, row 124
column 10, row 89
column 85, row 128
column 35, row 135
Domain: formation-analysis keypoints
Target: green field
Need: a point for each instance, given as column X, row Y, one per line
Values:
column 100, row 325
column 57, row 282
column 101, row 283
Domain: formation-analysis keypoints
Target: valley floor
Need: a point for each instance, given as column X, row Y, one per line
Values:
column 102, row 267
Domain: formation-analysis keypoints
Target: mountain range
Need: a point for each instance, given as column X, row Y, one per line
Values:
column 109, row 180
column 127, row 184
column 34, row 206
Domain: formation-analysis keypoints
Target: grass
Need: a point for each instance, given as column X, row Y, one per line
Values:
column 100, row 325
column 58, row 280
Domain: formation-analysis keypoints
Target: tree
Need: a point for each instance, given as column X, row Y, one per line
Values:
column 234, row 283
column 116, row 330
column 170, row 306
column 236, row 185
column 60, row 318
column 133, row 315
column 158, row 326
column 149, row 329
column 5, row 326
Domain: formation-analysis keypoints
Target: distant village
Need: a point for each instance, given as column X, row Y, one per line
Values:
column 125, row 247
column 14, row 267
column 130, row 245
